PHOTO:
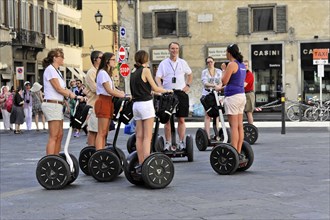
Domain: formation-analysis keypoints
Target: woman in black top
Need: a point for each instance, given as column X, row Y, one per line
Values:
column 141, row 84
column 17, row 113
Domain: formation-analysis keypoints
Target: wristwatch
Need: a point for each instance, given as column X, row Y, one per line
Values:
column 187, row 85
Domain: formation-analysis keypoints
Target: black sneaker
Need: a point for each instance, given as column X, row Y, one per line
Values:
column 138, row 169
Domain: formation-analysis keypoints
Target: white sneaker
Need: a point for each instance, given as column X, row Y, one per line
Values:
column 182, row 145
column 167, row 146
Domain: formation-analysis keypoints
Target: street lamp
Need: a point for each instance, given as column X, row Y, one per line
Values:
column 98, row 19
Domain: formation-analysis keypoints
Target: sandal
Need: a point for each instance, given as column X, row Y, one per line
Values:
column 17, row 132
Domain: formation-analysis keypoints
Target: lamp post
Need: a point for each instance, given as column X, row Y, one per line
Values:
column 98, row 19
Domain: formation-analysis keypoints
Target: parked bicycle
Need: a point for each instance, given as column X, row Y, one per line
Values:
column 296, row 111
column 318, row 112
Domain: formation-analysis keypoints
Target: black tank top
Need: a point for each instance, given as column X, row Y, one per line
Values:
column 141, row 91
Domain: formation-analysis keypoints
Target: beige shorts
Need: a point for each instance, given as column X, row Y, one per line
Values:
column 250, row 100
column 234, row 105
column 92, row 121
column 52, row 111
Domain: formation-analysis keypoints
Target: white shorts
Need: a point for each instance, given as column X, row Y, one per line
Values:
column 92, row 121
column 235, row 104
column 143, row 110
column 52, row 111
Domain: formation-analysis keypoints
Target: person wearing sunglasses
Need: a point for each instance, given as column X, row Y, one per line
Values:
column 90, row 92
column 211, row 78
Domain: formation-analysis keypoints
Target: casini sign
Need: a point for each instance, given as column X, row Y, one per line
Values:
column 266, row 56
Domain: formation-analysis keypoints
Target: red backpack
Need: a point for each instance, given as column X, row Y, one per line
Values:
column 9, row 103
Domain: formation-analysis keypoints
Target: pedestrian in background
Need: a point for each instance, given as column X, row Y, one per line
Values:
column 4, row 96
column 17, row 112
column 28, row 100
column 37, row 97
column 233, row 79
column 106, row 90
column 211, row 78
column 174, row 73
column 90, row 92
column 141, row 84
column 55, row 90
column 249, row 93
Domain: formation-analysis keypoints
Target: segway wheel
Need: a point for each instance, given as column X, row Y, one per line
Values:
column 190, row 148
column 160, row 144
column 221, row 135
column 84, row 156
column 201, row 139
column 75, row 174
column 104, row 165
column 249, row 157
column 131, row 143
column 122, row 158
column 53, row 172
column 224, row 159
column 157, row 171
column 131, row 175
column 250, row 133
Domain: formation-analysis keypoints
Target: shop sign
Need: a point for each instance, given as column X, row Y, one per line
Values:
column 306, row 52
column 217, row 52
column 160, row 54
column 266, row 56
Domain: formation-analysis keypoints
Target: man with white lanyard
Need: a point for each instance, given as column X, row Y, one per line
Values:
column 171, row 75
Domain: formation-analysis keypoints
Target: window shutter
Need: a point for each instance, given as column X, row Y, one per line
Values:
column 61, row 33
column 79, row 5
column 147, row 25
column 183, row 24
column 81, row 38
column 76, row 40
column 281, row 21
column 66, row 34
column 46, row 21
column 72, row 35
column 36, row 18
column 22, row 14
column 55, row 24
column 10, row 14
column 243, row 21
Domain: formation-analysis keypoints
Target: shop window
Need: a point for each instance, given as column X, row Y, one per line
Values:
column 169, row 23
column 311, row 85
column 256, row 18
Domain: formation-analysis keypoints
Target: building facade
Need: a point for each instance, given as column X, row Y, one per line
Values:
column 277, row 37
column 38, row 26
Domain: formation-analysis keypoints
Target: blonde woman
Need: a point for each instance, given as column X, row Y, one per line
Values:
column 55, row 91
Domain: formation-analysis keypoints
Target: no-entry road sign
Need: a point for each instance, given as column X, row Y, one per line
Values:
column 122, row 53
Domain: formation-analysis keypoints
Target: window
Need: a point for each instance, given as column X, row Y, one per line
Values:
column 262, row 19
column 162, row 24
column 166, row 23
column 258, row 18
column 70, row 35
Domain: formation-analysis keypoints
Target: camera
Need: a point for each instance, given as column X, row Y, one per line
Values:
column 173, row 79
column 27, row 101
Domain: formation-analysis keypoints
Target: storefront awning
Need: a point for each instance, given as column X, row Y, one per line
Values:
column 82, row 74
column 6, row 76
column 75, row 73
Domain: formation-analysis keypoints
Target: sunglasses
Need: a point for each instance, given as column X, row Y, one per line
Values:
column 99, row 57
column 209, row 62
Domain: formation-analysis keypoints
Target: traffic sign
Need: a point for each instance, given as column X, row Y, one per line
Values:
column 122, row 32
column 122, row 53
column 124, row 70
column 320, row 56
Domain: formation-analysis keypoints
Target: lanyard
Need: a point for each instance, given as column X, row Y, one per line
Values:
column 174, row 70
column 58, row 72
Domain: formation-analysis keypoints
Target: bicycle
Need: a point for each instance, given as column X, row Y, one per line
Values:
column 296, row 111
column 317, row 112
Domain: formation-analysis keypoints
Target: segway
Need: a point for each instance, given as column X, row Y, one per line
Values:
column 225, row 159
column 57, row 171
column 250, row 133
column 106, row 164
column 212, row 105
column 157, row 170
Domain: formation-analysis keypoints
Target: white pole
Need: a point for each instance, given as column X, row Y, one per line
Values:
column 138, row 32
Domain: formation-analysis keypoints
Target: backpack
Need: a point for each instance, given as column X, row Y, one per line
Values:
column 164, row 106
column 126, row 113
column 80, row 115
column 210, row 105
column 9, row 103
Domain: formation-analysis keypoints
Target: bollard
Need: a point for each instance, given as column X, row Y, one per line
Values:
column 300, row 107
column 283, row 112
